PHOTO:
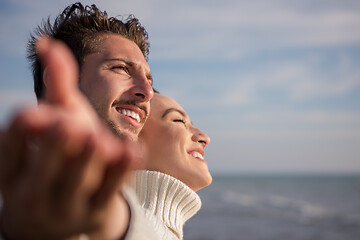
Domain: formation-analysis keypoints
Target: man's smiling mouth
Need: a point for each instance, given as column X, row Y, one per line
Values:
column 129, row 113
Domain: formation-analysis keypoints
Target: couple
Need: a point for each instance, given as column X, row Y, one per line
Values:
column 64, row 175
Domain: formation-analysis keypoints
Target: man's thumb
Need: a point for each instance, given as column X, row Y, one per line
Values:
column 60, row 74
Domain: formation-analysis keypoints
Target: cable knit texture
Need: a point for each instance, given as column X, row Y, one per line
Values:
column 167, row 199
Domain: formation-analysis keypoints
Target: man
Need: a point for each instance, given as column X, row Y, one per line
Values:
column 112, row 57
column 60, row 169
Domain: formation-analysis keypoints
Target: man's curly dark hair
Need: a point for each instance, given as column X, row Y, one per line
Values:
column 81, row 29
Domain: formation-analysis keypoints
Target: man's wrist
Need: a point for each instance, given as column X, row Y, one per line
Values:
column 116, row 224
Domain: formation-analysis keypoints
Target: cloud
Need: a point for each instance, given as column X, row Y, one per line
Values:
column 237, row 29
column 205, row 29
column 299, row 79
column 290, row 119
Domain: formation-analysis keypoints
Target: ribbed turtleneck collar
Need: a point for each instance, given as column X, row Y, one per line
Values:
column 167, row 198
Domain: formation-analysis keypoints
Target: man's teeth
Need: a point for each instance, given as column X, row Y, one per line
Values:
column 197, row 155
column 129, row 113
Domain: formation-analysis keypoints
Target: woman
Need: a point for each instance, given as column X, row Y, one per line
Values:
column 175, row 167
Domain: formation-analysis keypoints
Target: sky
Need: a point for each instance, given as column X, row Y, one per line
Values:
column 275, row 84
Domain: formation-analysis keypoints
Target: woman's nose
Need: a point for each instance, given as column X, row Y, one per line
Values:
column 201, row 137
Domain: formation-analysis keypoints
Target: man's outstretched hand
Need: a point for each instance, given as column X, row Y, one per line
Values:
column 60, row 168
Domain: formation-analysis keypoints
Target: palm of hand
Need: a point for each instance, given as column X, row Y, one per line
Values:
column 68, row 182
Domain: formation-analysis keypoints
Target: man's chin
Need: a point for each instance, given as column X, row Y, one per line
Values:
column 127, row 135
column 123, row 133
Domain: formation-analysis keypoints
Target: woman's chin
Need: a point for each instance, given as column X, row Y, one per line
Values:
column 202, row 183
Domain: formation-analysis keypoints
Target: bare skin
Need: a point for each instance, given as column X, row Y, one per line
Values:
column 60, row 167
column 175, row 146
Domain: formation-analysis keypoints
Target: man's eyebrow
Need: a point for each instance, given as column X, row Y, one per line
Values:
column 169, row 110
column 128, row 62
column 131, row 64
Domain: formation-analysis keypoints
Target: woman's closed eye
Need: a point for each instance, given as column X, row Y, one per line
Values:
column 180, row 121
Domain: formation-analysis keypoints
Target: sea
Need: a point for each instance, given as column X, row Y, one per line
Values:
column 283, row 207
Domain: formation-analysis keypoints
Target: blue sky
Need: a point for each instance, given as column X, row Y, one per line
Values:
column 276, row 84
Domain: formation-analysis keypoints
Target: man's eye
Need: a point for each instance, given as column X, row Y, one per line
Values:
column 120, row 68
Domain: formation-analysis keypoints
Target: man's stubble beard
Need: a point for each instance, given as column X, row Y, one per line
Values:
column 128, row 134
column 121, row 133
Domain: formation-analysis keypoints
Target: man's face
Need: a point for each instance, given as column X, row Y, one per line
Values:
column 118, row 83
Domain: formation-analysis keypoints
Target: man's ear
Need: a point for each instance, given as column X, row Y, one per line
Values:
column 45, row 78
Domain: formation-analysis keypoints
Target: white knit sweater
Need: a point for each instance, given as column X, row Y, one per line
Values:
column 167, row 202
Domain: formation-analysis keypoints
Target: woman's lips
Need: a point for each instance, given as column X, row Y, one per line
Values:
column 197, row 154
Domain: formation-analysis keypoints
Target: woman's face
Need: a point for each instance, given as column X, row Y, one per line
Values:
column 174, row 145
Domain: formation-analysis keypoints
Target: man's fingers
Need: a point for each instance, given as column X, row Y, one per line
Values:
column 47, row 160
column 73, row 172
column 61, row 71
column 18, row 139
column 12, row 148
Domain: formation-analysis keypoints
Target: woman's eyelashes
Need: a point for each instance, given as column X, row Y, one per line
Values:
column 180, row 121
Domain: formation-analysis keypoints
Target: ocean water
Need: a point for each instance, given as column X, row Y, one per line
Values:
column 278, row 208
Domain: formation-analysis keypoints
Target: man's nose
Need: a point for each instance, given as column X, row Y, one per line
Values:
column 142, row 88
